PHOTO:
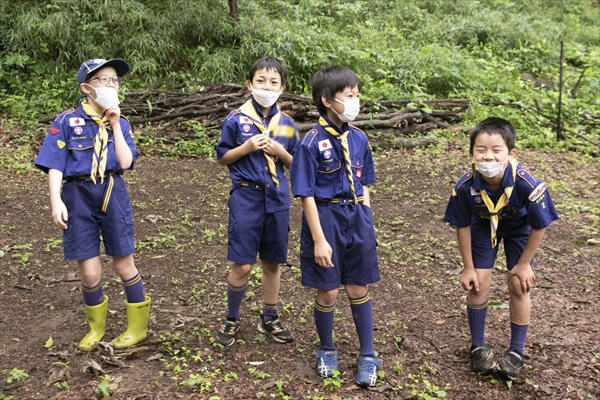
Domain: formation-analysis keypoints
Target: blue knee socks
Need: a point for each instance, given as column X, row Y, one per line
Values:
column 92, row 296
column 235, row 295
column 362, row 312
column 134, row 289
column 476, row 314
column 518, row 334
column 324, row 324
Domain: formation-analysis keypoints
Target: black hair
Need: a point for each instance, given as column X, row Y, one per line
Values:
column 494, row 126
column 269, row 63
column 329, row 81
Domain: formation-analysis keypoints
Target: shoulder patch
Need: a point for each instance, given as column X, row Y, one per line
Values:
column 526, row 176
column 463, row 179
column 61, row 117
column 537, row 192
column 309, row 137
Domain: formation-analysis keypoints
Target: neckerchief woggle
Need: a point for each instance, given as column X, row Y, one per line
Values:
column 494, row 210
column 100, row 155
column 248, row 109
column 343, row 138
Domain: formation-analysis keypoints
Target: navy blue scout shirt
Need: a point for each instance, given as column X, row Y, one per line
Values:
column 69, row 145
column 253, row 168
column 529, row 204
column 319, row 169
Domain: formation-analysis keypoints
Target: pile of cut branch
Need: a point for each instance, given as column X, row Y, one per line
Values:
column 396, row 122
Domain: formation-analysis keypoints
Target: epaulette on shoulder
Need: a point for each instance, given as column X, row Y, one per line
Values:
column 232, row 114
column 61, row 117
column 359, row 130
column 526, row 176
column 463, row 179
column 308, row 139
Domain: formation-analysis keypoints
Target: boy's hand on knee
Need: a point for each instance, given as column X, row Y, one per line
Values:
column 468, row 280
column 525, row 275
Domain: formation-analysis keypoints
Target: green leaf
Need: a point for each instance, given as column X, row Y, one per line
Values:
column 497, row 304
column 49, row 342
column 509, row 384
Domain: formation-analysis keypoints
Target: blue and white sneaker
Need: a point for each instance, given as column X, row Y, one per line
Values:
column 367, row 370
column 327, row 362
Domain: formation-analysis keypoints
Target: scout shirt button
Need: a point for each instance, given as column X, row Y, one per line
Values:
column 268, row 185
column 80, row 145
column 266, row 168
column 327, row 169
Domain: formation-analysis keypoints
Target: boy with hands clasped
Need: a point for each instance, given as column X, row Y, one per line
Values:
column 85, row 152
column 257, row 141
column 498, row 200
column 330, row 172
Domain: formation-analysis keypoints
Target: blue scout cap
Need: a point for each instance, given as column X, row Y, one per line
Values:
column 92, row 65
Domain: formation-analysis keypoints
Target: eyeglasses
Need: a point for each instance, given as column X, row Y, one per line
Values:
column 105, row 79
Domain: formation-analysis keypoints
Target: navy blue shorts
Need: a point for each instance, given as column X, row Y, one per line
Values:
column 349, row 231
column 253, row 231
column 484, row 256
column 84, row 201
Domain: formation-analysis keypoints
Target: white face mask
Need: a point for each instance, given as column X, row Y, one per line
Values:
column 106, row 97
column 489, row 169
column 351, row 109
column 265, row 98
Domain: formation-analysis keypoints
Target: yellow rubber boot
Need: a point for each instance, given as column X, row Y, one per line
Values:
column 96, row 316
column 137, row 325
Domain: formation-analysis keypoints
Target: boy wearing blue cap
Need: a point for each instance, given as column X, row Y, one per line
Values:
column 331, row 171
column 85, row 153
column 497, row 201
column 257, row 141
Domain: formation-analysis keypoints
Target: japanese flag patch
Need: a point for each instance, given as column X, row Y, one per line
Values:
column 537, row 192
column 475, row 192
column 245, row 120
column 76, row 121
column 324, row 145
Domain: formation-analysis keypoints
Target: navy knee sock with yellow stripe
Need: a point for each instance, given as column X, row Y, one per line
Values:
column 324, row 324
column 92, row 296
column 235, row 295
column 362, row 313
column 518, row 334
column 476, row 314
column 134, row 289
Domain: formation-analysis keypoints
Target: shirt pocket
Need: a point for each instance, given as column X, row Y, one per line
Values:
column 329, row 166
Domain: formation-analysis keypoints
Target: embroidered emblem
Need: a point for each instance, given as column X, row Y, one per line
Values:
column 327, row 154
column 477, row 199
column 358, row 173
column 77, row 131
column 60, row 144
column 324, row 145
column 76, row 121
column 245, row 120
column 474, row 192
column 54, row 131
column 246, row 128
column 537, row 192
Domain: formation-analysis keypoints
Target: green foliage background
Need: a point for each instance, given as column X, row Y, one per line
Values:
column 418, row 50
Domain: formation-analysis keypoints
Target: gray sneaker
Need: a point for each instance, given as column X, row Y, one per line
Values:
column 511, row 364
column 482, row 359
column 226, row 335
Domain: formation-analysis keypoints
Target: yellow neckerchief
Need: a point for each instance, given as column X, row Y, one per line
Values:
column 248, row 109
column 343, row 138
column 502, row 202
column 100, row 155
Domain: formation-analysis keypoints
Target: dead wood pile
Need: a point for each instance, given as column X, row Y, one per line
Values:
column 390, row 121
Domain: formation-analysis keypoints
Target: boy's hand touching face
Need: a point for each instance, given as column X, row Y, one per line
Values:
column 113, row 114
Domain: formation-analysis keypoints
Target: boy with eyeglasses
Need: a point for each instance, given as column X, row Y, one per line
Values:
column 498, row 200
column 85, row 152
column 331, row 172
column 257, row 141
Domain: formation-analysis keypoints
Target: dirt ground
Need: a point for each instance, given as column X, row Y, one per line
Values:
column 421, row 332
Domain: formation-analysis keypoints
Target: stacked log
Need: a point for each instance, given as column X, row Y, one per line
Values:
column 395, row 122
